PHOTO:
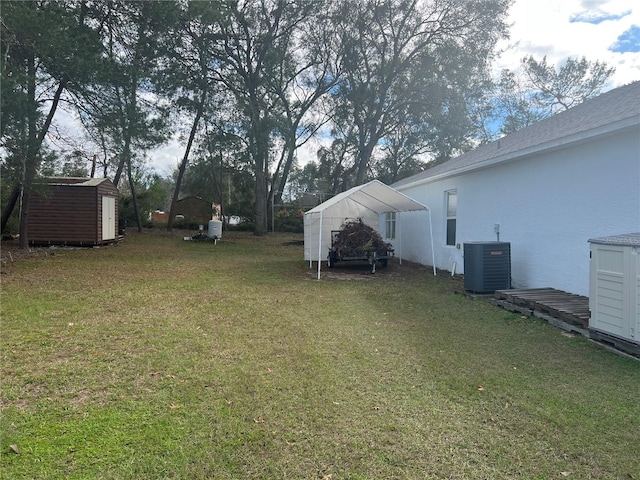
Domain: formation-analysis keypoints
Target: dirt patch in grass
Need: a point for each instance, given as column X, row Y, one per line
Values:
column 394, row 269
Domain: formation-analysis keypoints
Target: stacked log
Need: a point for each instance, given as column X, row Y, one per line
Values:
column 356, row 239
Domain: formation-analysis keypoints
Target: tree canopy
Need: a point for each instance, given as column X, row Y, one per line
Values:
column 538, row 90
column 384, row 86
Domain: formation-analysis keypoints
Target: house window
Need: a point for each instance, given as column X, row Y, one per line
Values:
column 391, row 225
column 452, row 207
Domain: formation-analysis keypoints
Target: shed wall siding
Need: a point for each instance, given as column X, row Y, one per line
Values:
column 195, row 210
column 63, row 215
column 547, row 206
column 68, row 214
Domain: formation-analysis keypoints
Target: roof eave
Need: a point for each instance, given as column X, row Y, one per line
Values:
column 549, row 146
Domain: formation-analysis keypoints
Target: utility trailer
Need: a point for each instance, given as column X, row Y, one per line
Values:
column 372, row 254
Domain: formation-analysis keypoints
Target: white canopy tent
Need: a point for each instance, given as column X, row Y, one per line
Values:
column 366, row 202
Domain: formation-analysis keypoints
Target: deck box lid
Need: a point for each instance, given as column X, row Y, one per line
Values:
column 627, row 239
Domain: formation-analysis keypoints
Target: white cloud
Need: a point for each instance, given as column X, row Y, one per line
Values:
column 308, row 152
column 166, row 159
column 573, row 28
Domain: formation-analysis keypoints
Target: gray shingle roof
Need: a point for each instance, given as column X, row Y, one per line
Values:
column 73, row 181
column 617, row 109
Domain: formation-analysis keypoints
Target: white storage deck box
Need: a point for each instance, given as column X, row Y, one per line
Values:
column 614, row 286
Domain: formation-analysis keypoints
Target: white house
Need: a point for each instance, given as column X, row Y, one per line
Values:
column 546, row 189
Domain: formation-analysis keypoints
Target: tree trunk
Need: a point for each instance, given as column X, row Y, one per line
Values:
column 127, row 123
column 260, row 134
column 261, row 197
column 134, row 198
column 184, row 162
column 124, row 159
column 35, row 140
column 11, row 203
column 218, row 186
column 33, row 149
column 364, row 157
column 30, row 159
column 284, row 175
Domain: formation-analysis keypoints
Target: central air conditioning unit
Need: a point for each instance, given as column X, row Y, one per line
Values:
column 487, row 266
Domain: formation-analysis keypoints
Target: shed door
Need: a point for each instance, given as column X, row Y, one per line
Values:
column 610, row 309
column 108, row 218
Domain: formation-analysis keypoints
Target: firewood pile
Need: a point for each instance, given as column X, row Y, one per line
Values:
column 356, row 239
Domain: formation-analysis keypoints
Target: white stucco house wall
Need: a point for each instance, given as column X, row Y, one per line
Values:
column 547, row 189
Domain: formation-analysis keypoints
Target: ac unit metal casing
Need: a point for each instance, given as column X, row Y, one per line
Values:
column 487, row 266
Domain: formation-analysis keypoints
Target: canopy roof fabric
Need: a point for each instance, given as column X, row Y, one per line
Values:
column 374, row 196
column 364, row 202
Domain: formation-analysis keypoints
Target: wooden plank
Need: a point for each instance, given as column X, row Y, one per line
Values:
column 559, row 323
column 620, row 344
column 532, row 293
column 563, row 304
column 566, row 306
column 512, row 307
column 564, row 310
column 533, row 298
column 519, row 293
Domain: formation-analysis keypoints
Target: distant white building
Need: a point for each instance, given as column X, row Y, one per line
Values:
column 547, row 189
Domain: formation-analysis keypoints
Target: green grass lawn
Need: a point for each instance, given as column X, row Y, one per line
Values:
column 159, row 358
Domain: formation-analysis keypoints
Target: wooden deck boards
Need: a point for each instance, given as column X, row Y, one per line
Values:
column 565, row 306
column 563, row 310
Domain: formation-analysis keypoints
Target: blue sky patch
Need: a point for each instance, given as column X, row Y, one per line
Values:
column 629, row 41
column 597, row 17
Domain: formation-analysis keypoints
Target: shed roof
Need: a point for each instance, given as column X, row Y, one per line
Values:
column 193, row 197
column 610, row 112
column 75, row 181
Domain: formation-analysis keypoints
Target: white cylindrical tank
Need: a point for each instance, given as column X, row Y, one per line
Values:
column 215, row 229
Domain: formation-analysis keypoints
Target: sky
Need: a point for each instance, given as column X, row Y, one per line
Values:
column 605, row 30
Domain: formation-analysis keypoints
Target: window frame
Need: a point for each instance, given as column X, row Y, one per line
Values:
column 451, row 217
column 390, row 225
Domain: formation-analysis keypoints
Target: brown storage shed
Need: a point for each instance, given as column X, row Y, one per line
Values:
column 73, row 211
column 195, row 210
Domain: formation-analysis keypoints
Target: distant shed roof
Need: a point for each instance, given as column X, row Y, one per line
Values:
column 75, row 181
column 615, row 110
